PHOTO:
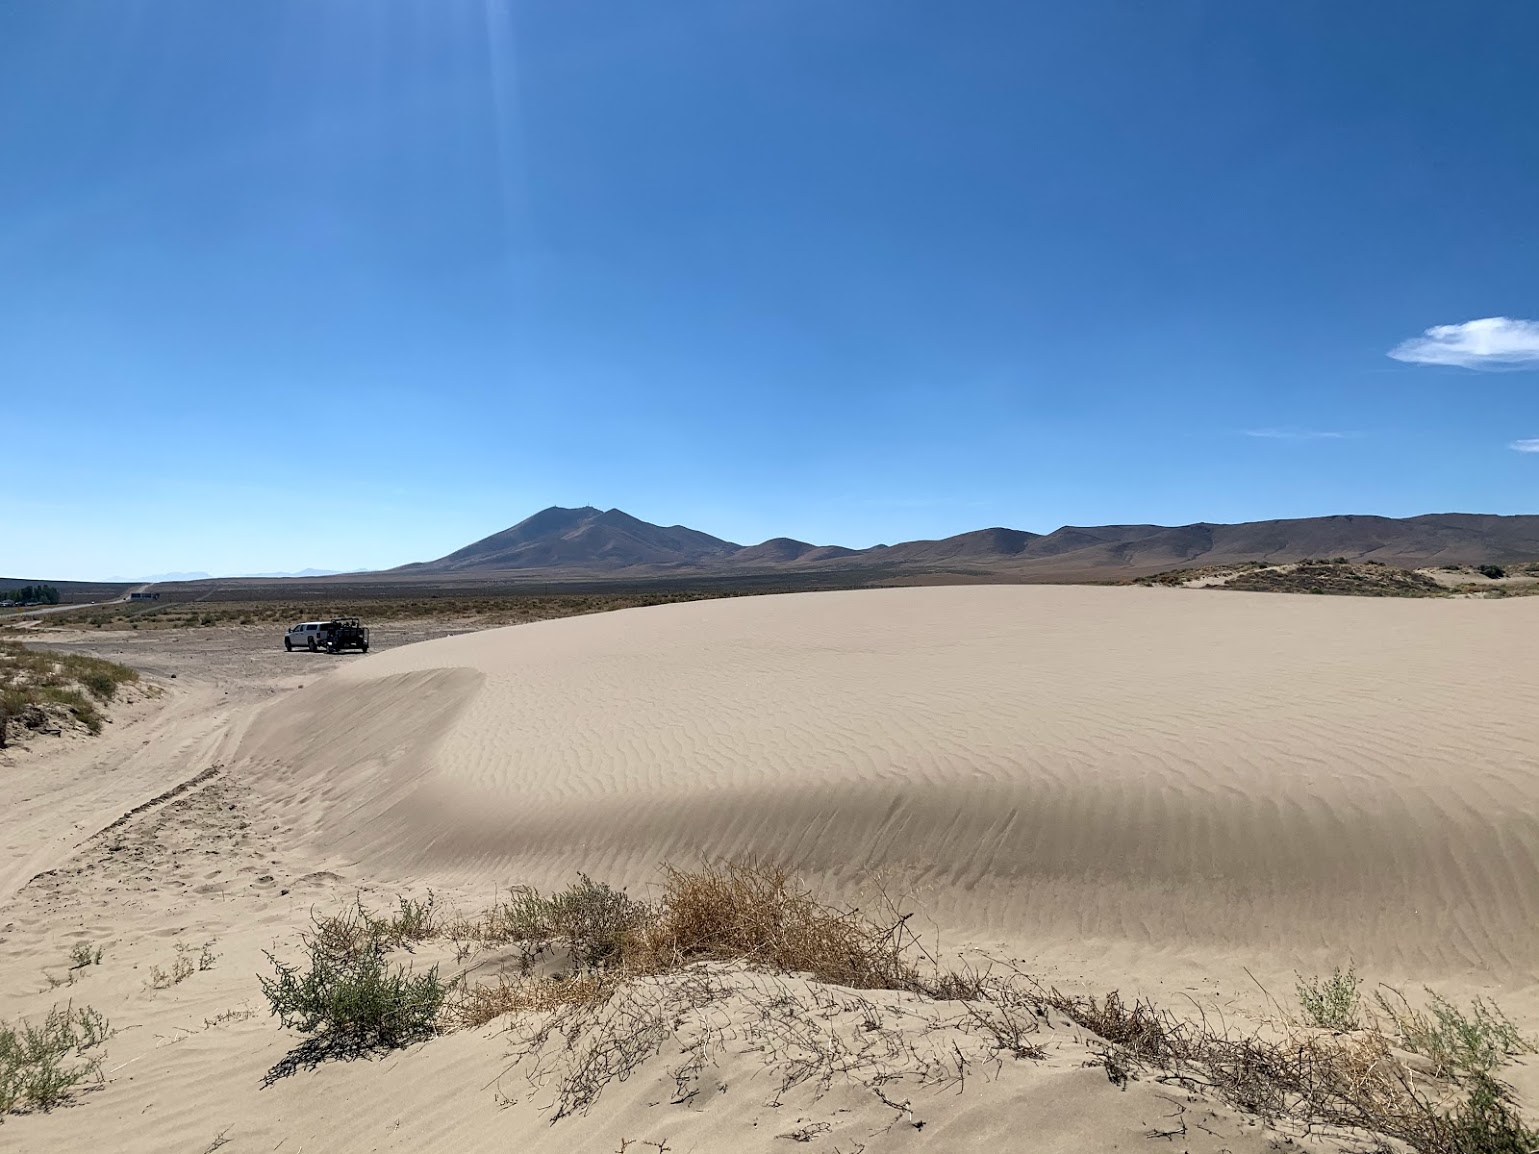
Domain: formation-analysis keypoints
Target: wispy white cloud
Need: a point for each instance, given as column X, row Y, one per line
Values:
column 1526, row 445
column 1297, row 434
column 1488, row 343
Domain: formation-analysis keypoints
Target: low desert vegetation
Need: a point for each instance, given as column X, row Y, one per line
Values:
column 36, row 687
column 183, row 965
column 1311, row 575
column 43, row 1063
column 589, row 919
column 1338, row 575
column 1471, row 1043
column 482, row 610
column 1356, row 1081
column 1331, row 1003
column 600, row 981
column 83, row 954
column 597, row 938
column 348, row 994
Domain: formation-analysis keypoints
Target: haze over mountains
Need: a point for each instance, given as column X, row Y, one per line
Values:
column 155, row 578
column 593, row 542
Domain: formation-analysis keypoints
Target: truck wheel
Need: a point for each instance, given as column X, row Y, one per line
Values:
column 365, row 647
column 288, row 645
column 312, row 645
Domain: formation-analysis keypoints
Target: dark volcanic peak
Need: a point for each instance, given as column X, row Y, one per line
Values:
column 589, row 541
column 546, row 525
column 582, row 540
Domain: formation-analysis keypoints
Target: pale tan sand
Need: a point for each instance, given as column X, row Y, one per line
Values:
column 1192, row 771
column 1153, row 789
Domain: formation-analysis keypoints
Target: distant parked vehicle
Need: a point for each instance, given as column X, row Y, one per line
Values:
column 333, row 636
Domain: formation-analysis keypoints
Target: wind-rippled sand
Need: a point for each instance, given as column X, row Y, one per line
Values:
column 1056, row 768
column 1185, row 794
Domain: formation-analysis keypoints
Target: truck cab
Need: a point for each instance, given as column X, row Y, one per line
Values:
column 305, row 635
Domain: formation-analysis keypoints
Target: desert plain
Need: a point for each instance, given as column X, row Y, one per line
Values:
column 1194, row 796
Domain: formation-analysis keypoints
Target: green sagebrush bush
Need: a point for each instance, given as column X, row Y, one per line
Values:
column 349, row 991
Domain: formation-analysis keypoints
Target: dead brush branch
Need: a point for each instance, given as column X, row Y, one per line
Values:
column 477, row 1005
column 1009, row 1015
column 807, row 1036
column 1352, row 1082
column 583, row 1045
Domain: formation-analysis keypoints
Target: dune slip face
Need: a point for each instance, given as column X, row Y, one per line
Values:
column 1172, row 769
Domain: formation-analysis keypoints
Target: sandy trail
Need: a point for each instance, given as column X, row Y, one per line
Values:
column 59, row 794
column 207, row 685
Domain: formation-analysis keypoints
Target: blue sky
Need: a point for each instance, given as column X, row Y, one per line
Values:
column 349, row 283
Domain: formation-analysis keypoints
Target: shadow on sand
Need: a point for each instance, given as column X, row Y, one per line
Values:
column 332, row 1048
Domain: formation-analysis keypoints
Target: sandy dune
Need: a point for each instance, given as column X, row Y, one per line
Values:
column 1166, row 791
column 1196, row 773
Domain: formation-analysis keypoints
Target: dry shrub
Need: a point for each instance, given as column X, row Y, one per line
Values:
column 759, row 914
column 641, row 973
column 477, row 1005
column 591, row 919
column 747, row 913
column 588, row 920
column 1353, row 1081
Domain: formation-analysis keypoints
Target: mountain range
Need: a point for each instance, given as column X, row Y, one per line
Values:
column 559, row 542
column 160, row 578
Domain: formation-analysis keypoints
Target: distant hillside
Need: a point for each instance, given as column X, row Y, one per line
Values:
column 1440, row 538
column 301, row 573
column 150, row 578
column 785, row 550
column 591, row 542
column 71, row 592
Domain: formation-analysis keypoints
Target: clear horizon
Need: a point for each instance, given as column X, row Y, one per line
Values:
column 338, row 285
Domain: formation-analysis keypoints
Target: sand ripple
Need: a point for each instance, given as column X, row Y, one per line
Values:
column 1166, row 767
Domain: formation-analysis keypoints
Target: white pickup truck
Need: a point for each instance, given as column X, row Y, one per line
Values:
column 332, row 636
